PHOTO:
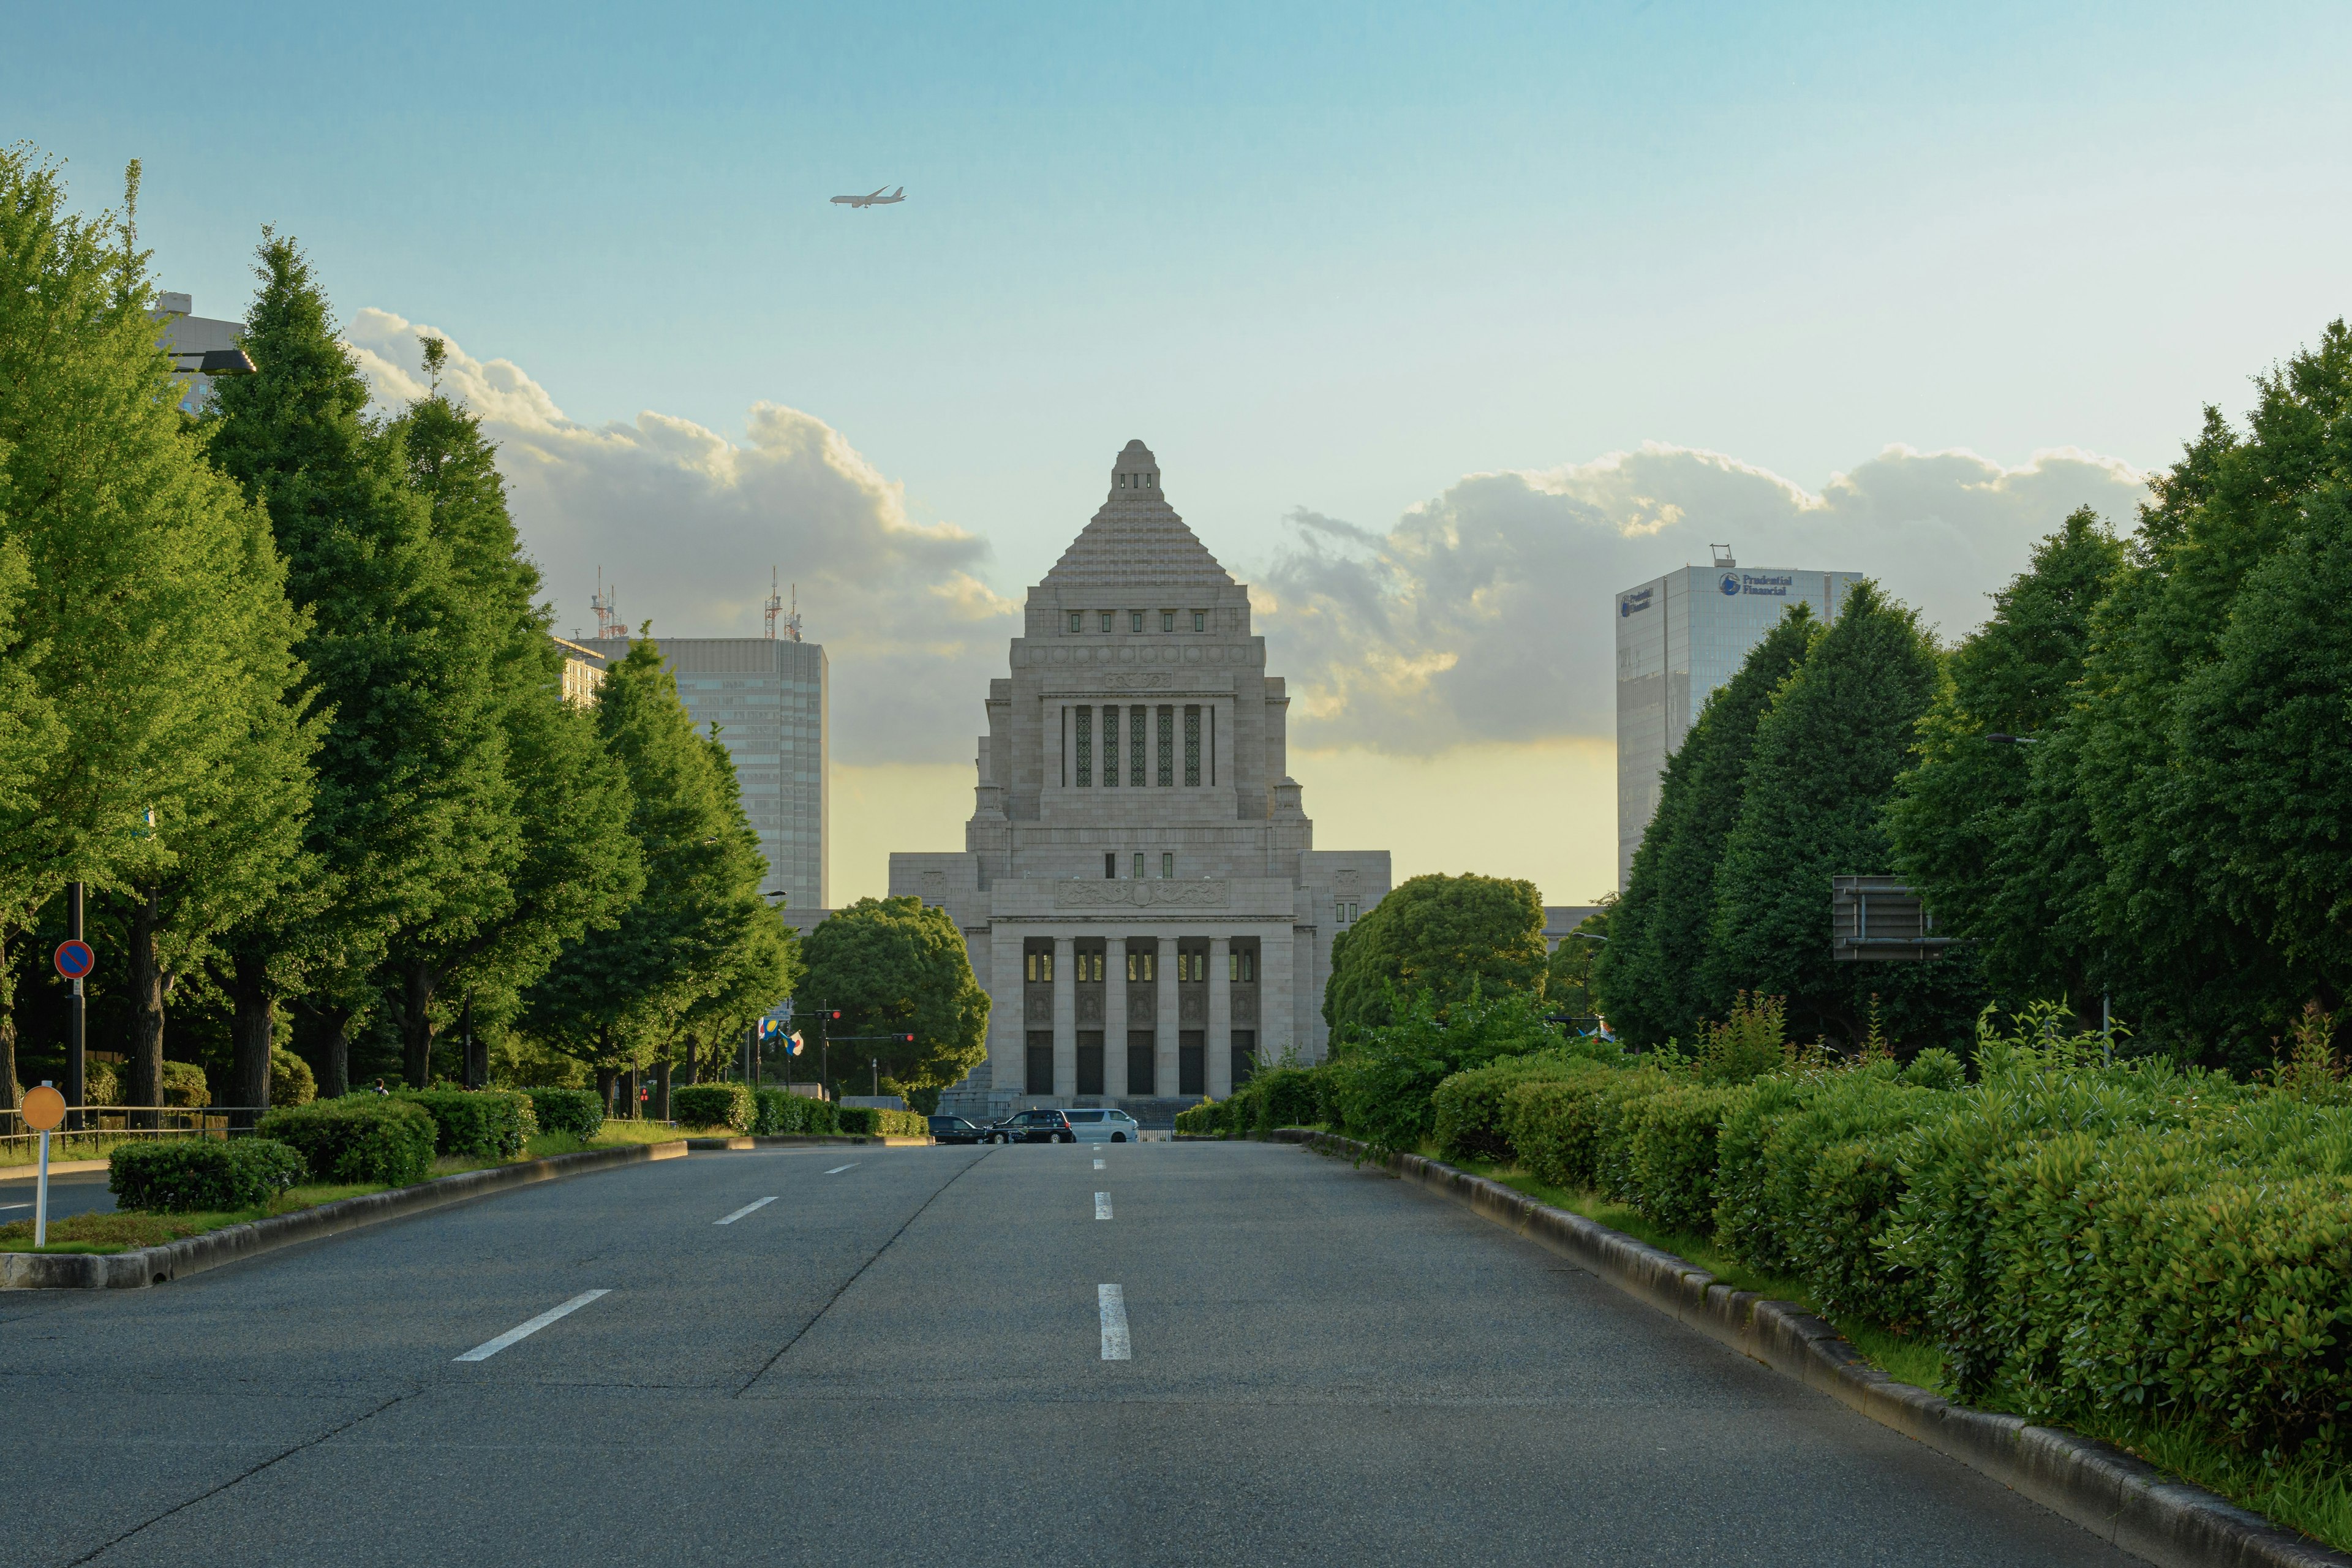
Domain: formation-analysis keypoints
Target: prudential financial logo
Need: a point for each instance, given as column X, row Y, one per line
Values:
column 1731, row 586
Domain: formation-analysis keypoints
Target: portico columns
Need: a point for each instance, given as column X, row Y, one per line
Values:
column 1277, row 1008
column 1221, row 1019
column 1007, row 1015
column 1114, row 1020
column 1065, row 1020
column 1164, row 1037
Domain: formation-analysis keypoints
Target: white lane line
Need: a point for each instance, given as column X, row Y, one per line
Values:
column 752, row 1207
column 1117, row 1346
column 15, row 1206
column 1098, row 1165
column 490, row 1348
column 838, row 1169
column 1102, row 1205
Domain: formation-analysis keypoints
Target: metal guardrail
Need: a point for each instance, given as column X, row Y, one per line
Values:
column 113, row 1121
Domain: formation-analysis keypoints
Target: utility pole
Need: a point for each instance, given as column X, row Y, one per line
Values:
column 76, row 1079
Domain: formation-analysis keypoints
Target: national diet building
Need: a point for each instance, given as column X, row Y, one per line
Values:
column 1139, row 886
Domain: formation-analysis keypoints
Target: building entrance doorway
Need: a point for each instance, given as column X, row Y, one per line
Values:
column 1141, row 1052
column 1090, row 1061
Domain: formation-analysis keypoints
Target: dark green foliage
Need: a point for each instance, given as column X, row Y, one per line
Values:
column 358, row 1138
column 898, row 966
column 201, row 1175
column 1568, row 986
column 1448, row 937
column 1985, row 832
column 1381, row 1085
column 489, row 1124
column 1934, row 1068
column 1468, row 1123
column 728, row 1105
column 1669, row 1157
column 290, row 1079
column 1562, row 1128
column 1285, row 1096
column 578, row 1111
column 781, row 1113
column 1827, row 752
column 1651, row 974
column 873, row 1122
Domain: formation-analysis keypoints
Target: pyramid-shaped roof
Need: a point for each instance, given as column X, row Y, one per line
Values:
column 1135, row 536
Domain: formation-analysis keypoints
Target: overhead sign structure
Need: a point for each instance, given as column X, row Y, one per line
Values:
column 74, row 958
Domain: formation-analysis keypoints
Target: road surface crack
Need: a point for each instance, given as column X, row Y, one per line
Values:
column 844, row 1288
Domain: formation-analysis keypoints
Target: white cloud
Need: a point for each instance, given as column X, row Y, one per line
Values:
column 1484, row 613
column 685, row 523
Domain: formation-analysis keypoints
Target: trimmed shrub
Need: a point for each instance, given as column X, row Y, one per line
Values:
column 184, row 1084
column 728, row 1105
column 201, row 1175
column 780, row 1112
column 487, row 1124
column 1469, row 1105
column 361, row 1138
column 1670, row 1152
column 290, row 1079
column 1934, row 1068
column 1549, row 1124
column 871, row 1121
column 1206, row 1119
column 578, row 1111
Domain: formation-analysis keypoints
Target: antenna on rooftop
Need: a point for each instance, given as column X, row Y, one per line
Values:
column 608, row 620
column 793, row 621
column 773, row 605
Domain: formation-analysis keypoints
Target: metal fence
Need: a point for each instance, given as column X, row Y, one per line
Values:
column 113, row 1124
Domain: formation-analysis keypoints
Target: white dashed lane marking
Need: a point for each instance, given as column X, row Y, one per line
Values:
column 1098, row 1165
column 838, row 1169
column 1116, row 1344
column 756, row 1204
column 1102, row 1205
column 490, row 1348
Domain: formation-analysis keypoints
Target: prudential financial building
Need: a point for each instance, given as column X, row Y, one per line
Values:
column 1679, row 637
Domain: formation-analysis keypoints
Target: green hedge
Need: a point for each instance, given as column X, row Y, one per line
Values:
column 578, row 1111
column 201, row 1175
column 1206, row 1119
column 871, row 1121
column 782, row 1113
column 728, row 1105
column 488, row 1124
column 361, row 1138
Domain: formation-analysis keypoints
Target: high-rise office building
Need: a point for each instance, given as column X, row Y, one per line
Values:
column 1679, row 637
column 767, row 695
column 187, row 337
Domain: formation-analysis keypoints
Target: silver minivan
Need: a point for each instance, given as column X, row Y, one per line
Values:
column 1112, row 1126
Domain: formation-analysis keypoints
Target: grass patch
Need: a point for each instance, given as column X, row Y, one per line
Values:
column 124, row 1232
column 25, row 1156
column 618, row 1135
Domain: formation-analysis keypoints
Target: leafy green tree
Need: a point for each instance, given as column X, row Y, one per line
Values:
column 897, row 966
column 556, row 853
column 1653, row 976
column 1990, row 835
column 1828, row 749
column 1567, row 972
column 699, row 931
column 2214, row 843
column 153, row 755
column 412, row 809
column 1451, row 936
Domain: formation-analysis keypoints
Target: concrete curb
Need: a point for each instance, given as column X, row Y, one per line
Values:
column 2113, row 1496
column 806, row 1141
column 193, row 1255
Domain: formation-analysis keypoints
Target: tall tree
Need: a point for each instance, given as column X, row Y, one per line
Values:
column 142, row 688
column 1989, row 834
column 2210, row 830
column 1828, row 749
column 1448, row 935
column 410, row 810
column 1653, row 976
column 556, row 854
column 898, row 966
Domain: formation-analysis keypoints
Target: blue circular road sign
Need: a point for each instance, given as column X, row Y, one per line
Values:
column 75, row 959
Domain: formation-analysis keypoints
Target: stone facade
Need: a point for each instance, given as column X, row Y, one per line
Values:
column 1139, row 886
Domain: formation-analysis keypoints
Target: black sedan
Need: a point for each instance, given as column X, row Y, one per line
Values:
column 956, row 1129
column 1033, row 1127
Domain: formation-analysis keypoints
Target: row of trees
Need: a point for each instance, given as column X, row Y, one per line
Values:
column 2126, row 788
column 276, row 686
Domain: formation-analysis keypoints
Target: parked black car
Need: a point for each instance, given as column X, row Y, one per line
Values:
column 956, row 1129
column 1033, row 1127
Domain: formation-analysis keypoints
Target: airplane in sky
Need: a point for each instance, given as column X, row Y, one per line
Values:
column 876, row 200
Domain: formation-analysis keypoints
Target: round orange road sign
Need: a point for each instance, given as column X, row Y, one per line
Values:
column 44, row 1108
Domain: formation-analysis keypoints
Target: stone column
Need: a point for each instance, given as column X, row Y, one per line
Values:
column 1115, row 1015
column 1277, row 1007
column 1164, row 1038
column 1065, row 1020
column 1221, row 1019
column 1007, row 1015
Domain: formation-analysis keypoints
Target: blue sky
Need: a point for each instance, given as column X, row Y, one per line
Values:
column 1331, row 258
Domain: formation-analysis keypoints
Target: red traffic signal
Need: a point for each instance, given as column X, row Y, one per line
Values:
column 835, row 1015
column 908, row 1039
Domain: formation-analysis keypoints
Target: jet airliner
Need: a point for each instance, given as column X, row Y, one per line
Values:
column 874, row 200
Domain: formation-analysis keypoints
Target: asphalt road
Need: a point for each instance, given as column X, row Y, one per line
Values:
column 82, row 1192
column 903, row 1361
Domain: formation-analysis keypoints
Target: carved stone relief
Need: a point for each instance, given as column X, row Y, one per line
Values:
column 1191, row 1011
column 1090, row 1008
column 1041, row 1008
column 1245, row 1006
column 1211, row 894
column 1131, row 683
